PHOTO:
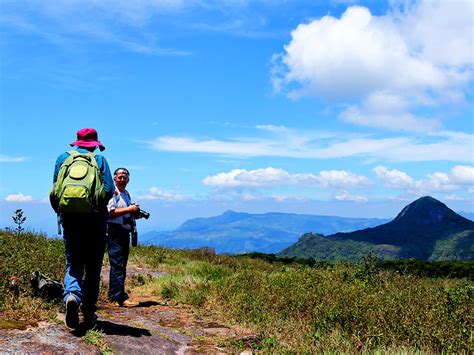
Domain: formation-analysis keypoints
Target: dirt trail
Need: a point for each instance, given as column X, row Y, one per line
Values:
column 150, row 328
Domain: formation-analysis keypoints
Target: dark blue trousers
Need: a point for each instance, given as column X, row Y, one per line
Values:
column 118, row 247
column 84, row 241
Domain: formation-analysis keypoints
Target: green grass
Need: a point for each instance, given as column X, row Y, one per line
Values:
column 341, row 307
column 294, row 308
column 96, row 338
column 20, row 255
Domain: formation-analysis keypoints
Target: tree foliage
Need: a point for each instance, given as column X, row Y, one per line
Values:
column 19, row 219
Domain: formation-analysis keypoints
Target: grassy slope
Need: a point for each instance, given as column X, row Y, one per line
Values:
column 295, row 308
column 20, row 256
column 342, row 308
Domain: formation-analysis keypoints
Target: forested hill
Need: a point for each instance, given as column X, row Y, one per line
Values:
column 235, row 232
column 426, row 229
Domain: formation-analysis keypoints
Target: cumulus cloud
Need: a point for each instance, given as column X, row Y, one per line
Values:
column 463, row 174
column 457, row 178
column 437, row 181
column 354, row 55
column 249, row 178
column 271, row 177
column 393, row 178
column 19, row 197
column 408, row 58
column 155, row 193
column 341, row 178
column 441, row 31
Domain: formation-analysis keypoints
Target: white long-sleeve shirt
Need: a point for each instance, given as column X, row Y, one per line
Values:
column 120, row 200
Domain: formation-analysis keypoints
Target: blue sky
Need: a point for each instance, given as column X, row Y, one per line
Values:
column 349, row 108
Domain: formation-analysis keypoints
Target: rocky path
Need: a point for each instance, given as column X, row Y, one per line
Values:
column 150, row 328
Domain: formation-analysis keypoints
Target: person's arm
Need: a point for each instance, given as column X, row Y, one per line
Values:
column 107, row 176
column 59, row 161
column 132, row 209
column 52, row 196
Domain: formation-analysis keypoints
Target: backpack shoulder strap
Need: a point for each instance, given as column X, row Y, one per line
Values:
column 89, row 155
column 75, row 152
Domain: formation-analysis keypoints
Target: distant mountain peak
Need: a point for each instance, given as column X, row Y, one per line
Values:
column 427, row 211
column 425, row 229
column 229, row 212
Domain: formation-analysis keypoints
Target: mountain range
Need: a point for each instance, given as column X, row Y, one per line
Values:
column 426, row 229
column 235, row 232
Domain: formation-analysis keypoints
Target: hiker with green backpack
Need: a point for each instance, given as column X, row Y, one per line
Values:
column 82, row 187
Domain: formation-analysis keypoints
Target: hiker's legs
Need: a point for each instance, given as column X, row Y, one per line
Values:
column 118, row 250
column 93, row 255
column 74, row 260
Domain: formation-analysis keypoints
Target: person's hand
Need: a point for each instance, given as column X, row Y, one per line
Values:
column 134, row 208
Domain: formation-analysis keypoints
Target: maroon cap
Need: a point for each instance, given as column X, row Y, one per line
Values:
column 87, row 137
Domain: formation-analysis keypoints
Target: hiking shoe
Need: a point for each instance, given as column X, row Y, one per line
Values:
column 72, row 316
column 126, row 303
column 90, row 320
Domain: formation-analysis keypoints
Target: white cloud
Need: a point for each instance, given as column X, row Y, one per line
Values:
column 387, row 66
column 447, row 146
column 346, row 196
column 271, row 177
column 441, row 31
column 249, row 178
column 229, row 147
column 456, row 179
column 355, row 55
column 8, row 159
column 341, row 178
column 384, row 110
column 155, row 193
column 436, row 182
column 463, row 174
column 19, row 197
column 393, row 178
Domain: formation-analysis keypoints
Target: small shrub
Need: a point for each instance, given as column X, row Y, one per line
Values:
column 19, row 219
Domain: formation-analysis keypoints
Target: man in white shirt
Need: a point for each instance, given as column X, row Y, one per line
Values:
column 119, row 224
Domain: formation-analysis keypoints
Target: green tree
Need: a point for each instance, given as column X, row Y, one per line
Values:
column 19, row 219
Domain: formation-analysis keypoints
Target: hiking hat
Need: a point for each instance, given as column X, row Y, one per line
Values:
column 87, row 138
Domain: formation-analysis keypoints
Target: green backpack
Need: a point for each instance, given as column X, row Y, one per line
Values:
column 79, row 187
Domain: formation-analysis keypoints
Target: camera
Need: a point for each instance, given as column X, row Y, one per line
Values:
column 142, row 214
